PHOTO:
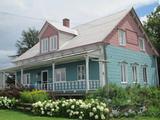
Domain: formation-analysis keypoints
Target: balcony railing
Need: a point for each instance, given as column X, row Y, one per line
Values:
column 77, row 85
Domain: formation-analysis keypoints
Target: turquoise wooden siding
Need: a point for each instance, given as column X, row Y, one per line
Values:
column 117, row 54
column 71, row 71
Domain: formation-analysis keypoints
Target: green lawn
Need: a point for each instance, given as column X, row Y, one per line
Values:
column 15, row 115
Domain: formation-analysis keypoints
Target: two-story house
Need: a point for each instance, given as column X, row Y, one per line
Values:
column 112, row 49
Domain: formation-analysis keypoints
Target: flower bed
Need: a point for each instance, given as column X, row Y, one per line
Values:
column 79, row 109
column 7, row 103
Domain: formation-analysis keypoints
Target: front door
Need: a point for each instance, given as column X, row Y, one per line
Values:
column 44, row 79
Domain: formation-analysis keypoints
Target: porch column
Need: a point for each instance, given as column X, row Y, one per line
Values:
column 53, row 74
column 4, row 80
column 87, row 73
column 15, row 79
column 21, row 75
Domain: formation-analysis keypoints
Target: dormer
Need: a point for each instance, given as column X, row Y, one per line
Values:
column 52, row 35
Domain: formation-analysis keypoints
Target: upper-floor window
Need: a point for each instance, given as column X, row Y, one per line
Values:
column 124, row 73
column 81, row 72
column 142, row 44
column 44, row 45
column 122, row 37
column 53, row 42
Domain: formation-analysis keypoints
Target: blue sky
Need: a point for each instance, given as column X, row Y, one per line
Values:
column 78, row 11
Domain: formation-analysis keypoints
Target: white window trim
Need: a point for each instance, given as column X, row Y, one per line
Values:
column 143, row 44
column 43, row 50
column 126, row 67
column 24, row 75
column 135, row 65
column 64, row 74
column 55, row 40
column 84, row 71
column 42, row 75
column 146, row 74
column 119, row 38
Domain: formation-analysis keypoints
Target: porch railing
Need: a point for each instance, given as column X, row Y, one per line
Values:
column 78, row 85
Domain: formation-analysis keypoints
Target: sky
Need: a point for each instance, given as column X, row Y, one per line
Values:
column 19, row 15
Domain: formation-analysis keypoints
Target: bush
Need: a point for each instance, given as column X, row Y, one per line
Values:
column 129, row 101
column 7, row 103
column 33, row 96
column 11, row 92
column 78, row 109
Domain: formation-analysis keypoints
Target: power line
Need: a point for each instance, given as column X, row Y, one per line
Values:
column 28, row 17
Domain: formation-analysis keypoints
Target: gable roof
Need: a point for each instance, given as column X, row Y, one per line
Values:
column 92, row 32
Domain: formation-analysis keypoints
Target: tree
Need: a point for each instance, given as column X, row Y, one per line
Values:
column 152, row 27
column 28, row 40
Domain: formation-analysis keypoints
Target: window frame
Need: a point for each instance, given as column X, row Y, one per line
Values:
column 81, row 73
column 135, row 67
column 25, row 81
column 59, row 69
column 144, row 81
column 44, row 45
column 53, row 43
column 123, row 72
column 122, row 41
column 143, row 44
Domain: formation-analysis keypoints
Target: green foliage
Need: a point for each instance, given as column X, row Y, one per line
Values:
column 33, row 96
column 7, row 102
column 28, row 40
column 72, row 108
column 152, row 27
column 130, row 100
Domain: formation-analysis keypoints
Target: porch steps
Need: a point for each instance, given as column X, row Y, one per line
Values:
column 24, row 106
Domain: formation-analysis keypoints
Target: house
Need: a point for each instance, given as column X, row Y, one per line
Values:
column 112, row 49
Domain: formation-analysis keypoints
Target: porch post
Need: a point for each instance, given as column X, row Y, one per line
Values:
column 15, row 79
column 53, row 74
column 21, row 75
column 87, row 73
column 4, row 79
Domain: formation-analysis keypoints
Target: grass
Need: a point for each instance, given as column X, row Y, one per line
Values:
column 16, row 115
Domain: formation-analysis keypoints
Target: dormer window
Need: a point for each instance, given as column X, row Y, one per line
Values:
column 142, row 44
column 53, row 43
column 44, row 45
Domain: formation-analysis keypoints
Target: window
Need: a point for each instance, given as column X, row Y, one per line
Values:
column 44, row 45
column 53, row 43
column 26, row 79
column 144, row 74
column 60, row 74
column 134, row 74
column 122, row 37
column 81, row 72
column 123, row 72
column 142, row 44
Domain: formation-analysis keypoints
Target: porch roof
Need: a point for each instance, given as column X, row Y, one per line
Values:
column 57, row 60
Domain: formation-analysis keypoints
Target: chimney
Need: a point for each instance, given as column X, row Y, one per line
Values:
column 66, row 22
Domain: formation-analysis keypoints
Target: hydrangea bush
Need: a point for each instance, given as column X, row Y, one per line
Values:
column 72, row 108
column 7, row 103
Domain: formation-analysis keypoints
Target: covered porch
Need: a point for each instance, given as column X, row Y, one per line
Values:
column 72, row 74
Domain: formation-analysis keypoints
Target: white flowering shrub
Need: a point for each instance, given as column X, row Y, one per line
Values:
column 72, row 108
column 7, row 103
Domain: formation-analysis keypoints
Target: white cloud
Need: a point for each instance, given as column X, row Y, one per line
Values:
column 143, row 19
